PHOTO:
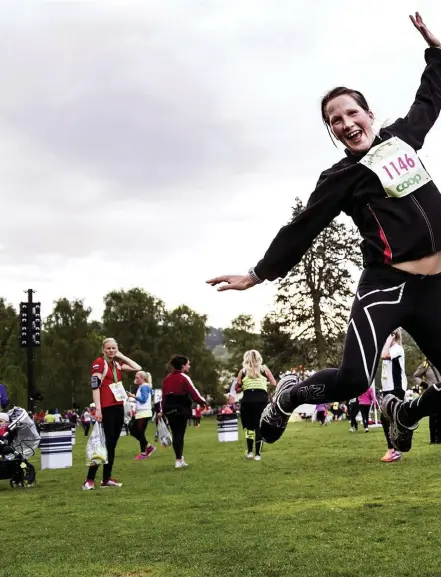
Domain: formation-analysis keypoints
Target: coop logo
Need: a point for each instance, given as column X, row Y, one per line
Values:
column 407, row 183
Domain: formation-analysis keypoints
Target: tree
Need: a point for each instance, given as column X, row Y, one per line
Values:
column 279, row 351
column 238, row 339
column 313, row 300
column 185, row 332
column 70, row 344
column 136, row 320
column 413, row 357
column 12, row 356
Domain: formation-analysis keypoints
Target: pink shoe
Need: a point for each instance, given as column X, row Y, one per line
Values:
column 391, row 456
column 110, row 483
column 387, row 456
column 141, row 457
column 88, row 485
column 149, row 451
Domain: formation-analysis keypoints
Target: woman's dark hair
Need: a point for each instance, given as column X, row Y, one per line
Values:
column 341, row 91
column 178, row 361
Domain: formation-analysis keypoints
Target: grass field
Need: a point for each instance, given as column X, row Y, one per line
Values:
column 319, row 504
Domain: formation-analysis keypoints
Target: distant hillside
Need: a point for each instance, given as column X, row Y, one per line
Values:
column 214, row 338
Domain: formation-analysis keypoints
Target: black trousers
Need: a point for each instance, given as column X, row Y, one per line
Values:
column 386, row 299
column 385, row 421
column 250, row 413
column 435, row 428
column 364, row 410
column 321, row 417
column 113, row 420
column 353, row 409
column 137, row 429
column 178, row 426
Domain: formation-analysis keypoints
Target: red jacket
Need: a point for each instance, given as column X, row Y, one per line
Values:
column 178, row 393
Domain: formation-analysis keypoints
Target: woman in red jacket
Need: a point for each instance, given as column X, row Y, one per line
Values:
column 178, row 393
column 109, row 395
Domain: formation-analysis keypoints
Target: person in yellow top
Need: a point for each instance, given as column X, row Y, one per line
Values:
column 253, row 380
column 49, row 417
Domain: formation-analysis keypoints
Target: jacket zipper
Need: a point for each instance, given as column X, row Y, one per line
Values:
column 388, row 251
column 432, row 238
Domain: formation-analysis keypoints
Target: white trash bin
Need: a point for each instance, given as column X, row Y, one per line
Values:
column 56, row 445
column 227, row 428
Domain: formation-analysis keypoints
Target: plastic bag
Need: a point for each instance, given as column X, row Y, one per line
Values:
column 96, row 451
column 164, row 434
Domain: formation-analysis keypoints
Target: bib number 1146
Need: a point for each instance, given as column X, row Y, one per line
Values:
column 405, row 163
column 397, row 166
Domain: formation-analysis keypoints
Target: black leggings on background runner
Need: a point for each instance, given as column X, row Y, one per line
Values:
column 386, row 298
column 250, row 413
column 365, row 410
column 137, row 429
column 113, row 420
column 178, row 426
column 353, row 410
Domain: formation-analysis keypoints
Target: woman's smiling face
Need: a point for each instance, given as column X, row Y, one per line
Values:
column 350, row 123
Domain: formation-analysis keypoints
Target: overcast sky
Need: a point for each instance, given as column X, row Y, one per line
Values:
column 160, row 143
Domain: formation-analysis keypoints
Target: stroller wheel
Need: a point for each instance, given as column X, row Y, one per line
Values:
column 26, row 478
column 15, row 482
column 29, row 476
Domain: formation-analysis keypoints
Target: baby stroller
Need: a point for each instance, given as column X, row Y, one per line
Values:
column 17, row 445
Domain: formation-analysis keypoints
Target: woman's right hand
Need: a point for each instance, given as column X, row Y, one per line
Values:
column 233, row 281
column 98, row 415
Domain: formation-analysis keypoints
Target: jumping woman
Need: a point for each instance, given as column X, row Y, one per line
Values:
column 382, row 184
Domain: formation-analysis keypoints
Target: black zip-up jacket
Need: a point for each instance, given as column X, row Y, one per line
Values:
column 393, row 229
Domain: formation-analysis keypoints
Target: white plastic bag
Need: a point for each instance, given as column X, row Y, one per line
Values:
column 164, row 434
column 96, row 451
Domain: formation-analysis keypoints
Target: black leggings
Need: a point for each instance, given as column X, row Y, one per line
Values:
column 250, row 413
column 384, row 420
column 353, row 410
column 137, row 429
column 113, row 420
column 365, row 410
column 178, row 426
column 386, row 299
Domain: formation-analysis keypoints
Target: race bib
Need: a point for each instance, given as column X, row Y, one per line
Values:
column 118, row 391
column 397, row 166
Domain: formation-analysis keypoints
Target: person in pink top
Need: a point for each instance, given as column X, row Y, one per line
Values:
column 365, row 401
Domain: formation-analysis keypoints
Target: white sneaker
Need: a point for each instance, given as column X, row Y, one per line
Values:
column 351, row 430
column 257, row 458
column 249, row 456
column 181, row 464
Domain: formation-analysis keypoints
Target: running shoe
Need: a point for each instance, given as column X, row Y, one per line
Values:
column 248, row 456
column 149, row 451
column 88, row 485
column 110, row 483
column 400, row 435
column 141, row 457
column 257, row 458
column 274, row 419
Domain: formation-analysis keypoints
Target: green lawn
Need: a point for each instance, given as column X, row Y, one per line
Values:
column 319, row 504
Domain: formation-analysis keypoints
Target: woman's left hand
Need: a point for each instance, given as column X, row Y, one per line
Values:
column 431, row 40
